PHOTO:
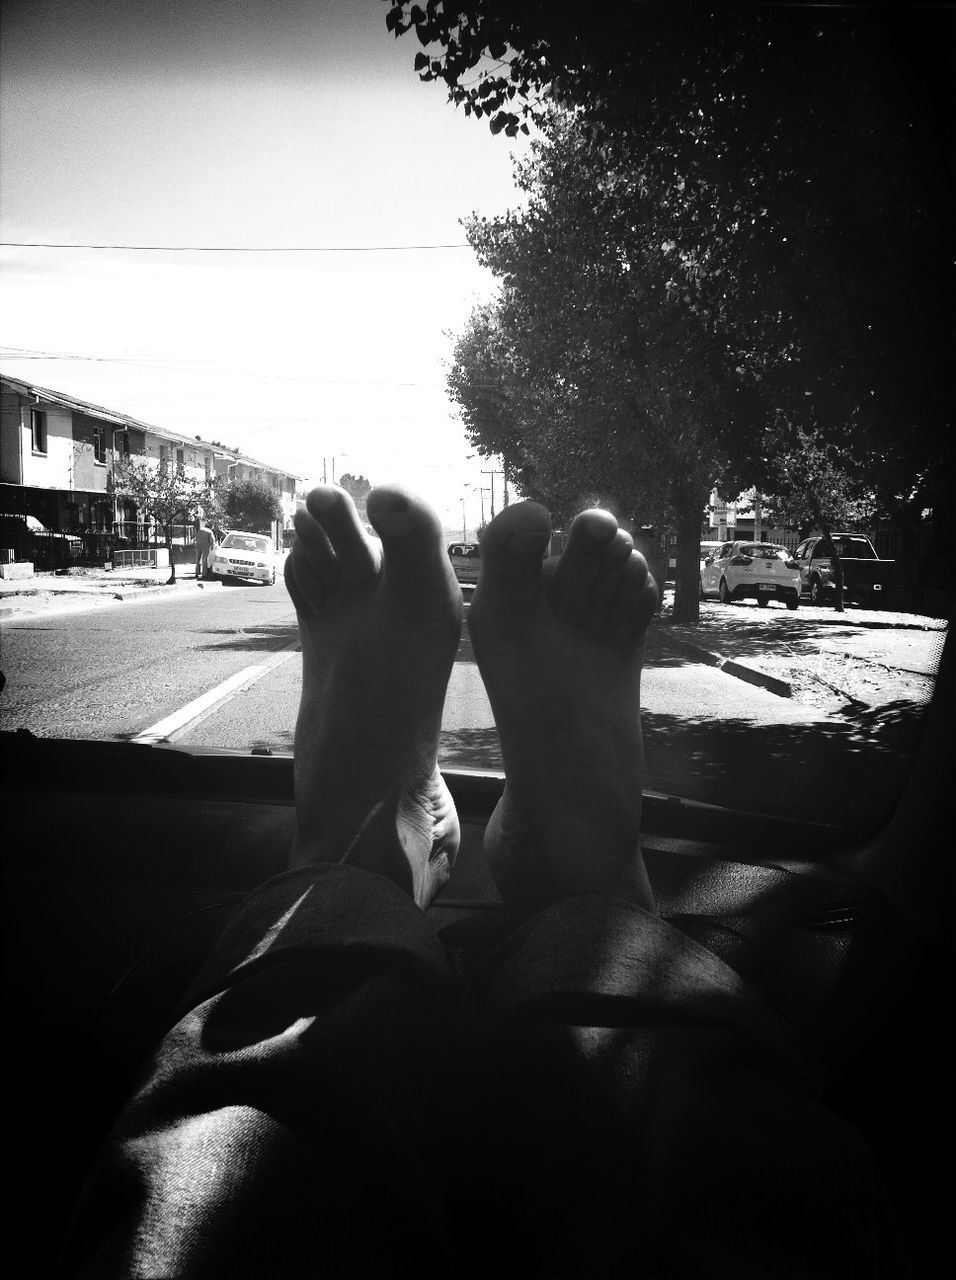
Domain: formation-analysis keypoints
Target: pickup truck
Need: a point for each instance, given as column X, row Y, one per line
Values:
column 866, row 578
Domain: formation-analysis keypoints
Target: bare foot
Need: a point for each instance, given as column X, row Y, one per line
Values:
column 559, row 644
column 380, row 623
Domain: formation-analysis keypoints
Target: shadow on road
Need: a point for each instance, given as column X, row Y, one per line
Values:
column 254, row 639
column 470, row 749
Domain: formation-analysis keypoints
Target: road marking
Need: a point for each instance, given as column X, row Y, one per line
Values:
column 206, row 703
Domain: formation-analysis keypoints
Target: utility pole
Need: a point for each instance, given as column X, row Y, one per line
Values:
column 504, row 477
column 464, row 527
column 482, row 493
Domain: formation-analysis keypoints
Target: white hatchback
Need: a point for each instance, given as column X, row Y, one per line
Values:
column 245, row 555
column 759, row 571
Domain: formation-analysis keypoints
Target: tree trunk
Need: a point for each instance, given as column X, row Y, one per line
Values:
column 687, row 590
column 171, row 580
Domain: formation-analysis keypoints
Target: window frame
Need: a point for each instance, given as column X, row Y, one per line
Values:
column 99, row 444
column 39, row 433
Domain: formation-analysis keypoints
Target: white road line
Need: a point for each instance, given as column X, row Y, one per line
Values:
column 202, row 706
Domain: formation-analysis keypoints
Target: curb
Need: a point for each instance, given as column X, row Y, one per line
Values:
column 21, row 601
column 740, row 670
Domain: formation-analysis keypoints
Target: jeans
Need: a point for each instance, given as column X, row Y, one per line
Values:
column 597, row 1096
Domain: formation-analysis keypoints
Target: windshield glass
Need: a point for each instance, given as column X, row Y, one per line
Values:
column 243, row 542
column 762, row 549
column 317, row 270
column 858, row 548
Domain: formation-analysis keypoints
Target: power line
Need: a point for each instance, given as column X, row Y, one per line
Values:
column 213, row 248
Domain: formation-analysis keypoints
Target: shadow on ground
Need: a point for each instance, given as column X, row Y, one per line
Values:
column 253, row 639
column 470, row 749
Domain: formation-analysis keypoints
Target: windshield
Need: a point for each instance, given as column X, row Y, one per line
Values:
column 858, row 548
column 762, row 549
column 316, row 270
column 243, row 542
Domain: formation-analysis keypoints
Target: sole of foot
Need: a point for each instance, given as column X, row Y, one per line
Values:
column 380, row 619
column 559, row 644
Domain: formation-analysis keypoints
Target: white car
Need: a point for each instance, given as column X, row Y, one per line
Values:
column 245, row 555
column 759, row 571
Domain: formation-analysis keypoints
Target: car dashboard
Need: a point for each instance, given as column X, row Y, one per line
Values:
column 125, row 861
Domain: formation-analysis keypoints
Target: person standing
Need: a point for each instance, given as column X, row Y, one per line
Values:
column 205, row 547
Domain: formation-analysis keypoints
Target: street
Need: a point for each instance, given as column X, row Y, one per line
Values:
column 221, row 669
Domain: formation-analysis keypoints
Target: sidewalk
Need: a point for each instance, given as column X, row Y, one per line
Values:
column 83, row 588
column 833, row 661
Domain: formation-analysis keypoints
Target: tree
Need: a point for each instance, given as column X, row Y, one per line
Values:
column 163, row 494
column 800, row 162
column 589, row 376
column 250, row 505
column 814, row 490
column 358, row 488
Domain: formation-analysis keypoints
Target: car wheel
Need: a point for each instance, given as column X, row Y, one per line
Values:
column 762, row 602
column 723, row 592
column 793, row 604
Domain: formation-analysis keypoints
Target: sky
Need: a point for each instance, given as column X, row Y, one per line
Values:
column 237, row 125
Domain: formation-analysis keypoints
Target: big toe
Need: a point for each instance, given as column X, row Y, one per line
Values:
column 514, row 544
column 411, row 533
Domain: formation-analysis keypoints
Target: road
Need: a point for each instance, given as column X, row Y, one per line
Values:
column 221, row 668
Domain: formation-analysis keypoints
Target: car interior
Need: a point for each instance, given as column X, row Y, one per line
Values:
column 125, row 861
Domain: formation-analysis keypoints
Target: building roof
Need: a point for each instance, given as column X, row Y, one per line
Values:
column 125, row 420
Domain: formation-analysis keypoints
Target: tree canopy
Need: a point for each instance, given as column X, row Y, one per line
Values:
column 800, row 162
column 162, row 494
column 250, row 504
column 358, row 487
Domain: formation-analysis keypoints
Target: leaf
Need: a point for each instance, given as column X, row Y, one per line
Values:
column 421, row 61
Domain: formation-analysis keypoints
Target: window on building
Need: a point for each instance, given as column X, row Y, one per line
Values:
column 38, row 430
column 99, row 443
column 124, row 444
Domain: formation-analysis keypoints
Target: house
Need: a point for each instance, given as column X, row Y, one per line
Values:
column 58, row 453
column 743, row 518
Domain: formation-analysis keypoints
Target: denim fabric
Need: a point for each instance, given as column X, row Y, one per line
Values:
column 601, row 1097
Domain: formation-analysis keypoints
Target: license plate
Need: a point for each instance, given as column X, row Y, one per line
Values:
column 764, row 586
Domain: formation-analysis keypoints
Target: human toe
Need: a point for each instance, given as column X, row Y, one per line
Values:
column 307, row 587
column 590, row 539
column 413, row 552
column 635, row 598
column 514, row 544
column 333, row 510
column 615, row 555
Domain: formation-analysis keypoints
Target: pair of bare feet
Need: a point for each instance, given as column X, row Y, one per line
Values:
column 559, row 644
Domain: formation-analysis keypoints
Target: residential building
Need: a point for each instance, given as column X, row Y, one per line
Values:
column 58, row 453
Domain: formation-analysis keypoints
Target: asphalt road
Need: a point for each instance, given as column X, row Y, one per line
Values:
column 221, row 668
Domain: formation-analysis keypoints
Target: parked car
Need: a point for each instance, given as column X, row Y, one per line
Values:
column 866, row 578
column 759, row 571
column 706, row 549
column 466, row 550
column 30, row 540
column 250, row 556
